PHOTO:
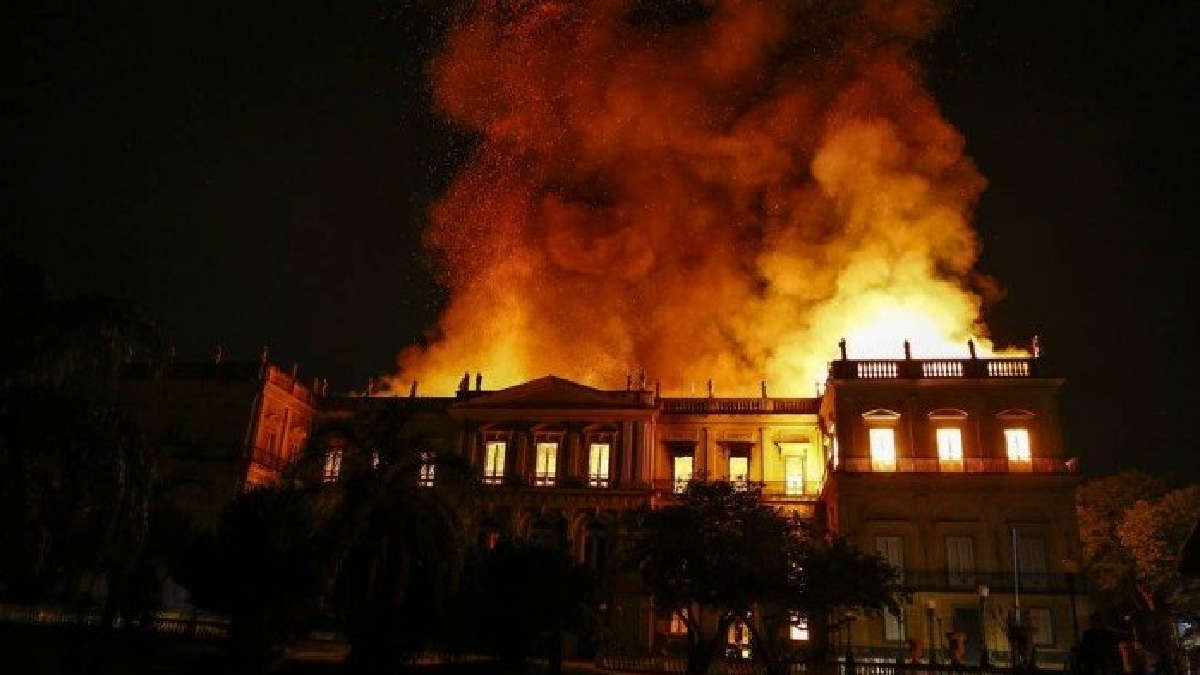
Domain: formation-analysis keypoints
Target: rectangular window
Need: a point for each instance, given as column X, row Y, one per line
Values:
column 738, row 639
column 949, row 444
column 1016, row 442
column 891, row 549
column 797, row 627
column 883, row 449
column 1031, row 556
column 547, row 463
column 682, row 472
column 793, row 474
column 428, row 469
column 333, row 465
column 960, row 562
column 493, row 462
column 598, row 464
column 739, row 470
column 893, row 627
column 678, row 623
column 1043, row 626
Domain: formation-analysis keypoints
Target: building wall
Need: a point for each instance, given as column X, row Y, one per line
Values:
column 927, row 503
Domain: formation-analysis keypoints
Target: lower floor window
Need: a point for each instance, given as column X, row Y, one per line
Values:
column 1043, row 626
column 678, row 623
column 798, row 627
column 893, row 627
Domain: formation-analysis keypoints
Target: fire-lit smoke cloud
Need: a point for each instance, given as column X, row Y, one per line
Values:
column 719, row 190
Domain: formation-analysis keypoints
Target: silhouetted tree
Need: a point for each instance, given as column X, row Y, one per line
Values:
column 77, row 476
column 522, row 598
column 1132, row 528
column 266, row 566
column 723, row 556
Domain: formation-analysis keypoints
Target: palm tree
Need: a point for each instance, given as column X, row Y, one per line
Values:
column 394, row 532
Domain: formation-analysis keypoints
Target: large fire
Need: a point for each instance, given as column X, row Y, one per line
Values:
column 718, row 191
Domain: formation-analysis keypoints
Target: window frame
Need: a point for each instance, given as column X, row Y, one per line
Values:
column 680, row 484
column 879, row 463
column 599, row 478
column 331, row 469
column 494, row 464
column 545, row 474
column 427, row 470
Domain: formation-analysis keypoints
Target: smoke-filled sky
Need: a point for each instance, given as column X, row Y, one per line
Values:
column 300, row 175
column 714, row 194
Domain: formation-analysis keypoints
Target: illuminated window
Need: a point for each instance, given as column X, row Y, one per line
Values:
column 1016, row 442
column 598, row 464
column 883, row 449
column 683, row 472
column 738, row 639
column 679, row 623
column 493, row 462
column 547, row 461
column 428, row 470
column 333, row 465
column 739, row 470
column 949, row 444
column 793, row 474
column 797, row 627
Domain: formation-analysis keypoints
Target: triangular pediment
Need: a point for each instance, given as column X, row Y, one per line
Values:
column 551, row 392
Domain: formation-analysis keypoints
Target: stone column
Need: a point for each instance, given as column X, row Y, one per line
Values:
column 626, row 452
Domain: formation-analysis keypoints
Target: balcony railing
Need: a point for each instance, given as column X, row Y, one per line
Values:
column 966, row 465
column 892, row 369
column 997, row 582
column 772, row 489
column 271, row 460
column 740, row 406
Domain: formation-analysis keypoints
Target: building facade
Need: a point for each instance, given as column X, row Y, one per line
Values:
column 954, row 470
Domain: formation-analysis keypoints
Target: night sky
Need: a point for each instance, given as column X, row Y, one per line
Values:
column 260, row 174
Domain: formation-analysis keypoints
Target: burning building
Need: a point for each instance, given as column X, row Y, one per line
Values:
column 954, row 470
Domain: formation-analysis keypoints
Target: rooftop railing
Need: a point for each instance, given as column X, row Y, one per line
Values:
column 909, row 369
column 965, row 465
column 744, row 406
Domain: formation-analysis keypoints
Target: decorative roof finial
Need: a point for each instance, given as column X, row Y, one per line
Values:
column 763, row 385
column 478, row 381
column 412, row 392
column 907, row 350
column 710, row 389
column 842, row 347
column 971, row 347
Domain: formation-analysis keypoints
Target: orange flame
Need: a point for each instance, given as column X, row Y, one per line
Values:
column 722, row 193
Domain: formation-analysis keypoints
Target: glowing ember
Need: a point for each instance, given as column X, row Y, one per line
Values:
column 720, row 194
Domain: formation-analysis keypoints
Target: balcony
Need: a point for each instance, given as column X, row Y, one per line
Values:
column 967, row 465
column 740, row 406
column 997, row 582
column 775, row 490
column 913, row 369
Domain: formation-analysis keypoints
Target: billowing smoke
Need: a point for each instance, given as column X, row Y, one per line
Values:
column 712, row 190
